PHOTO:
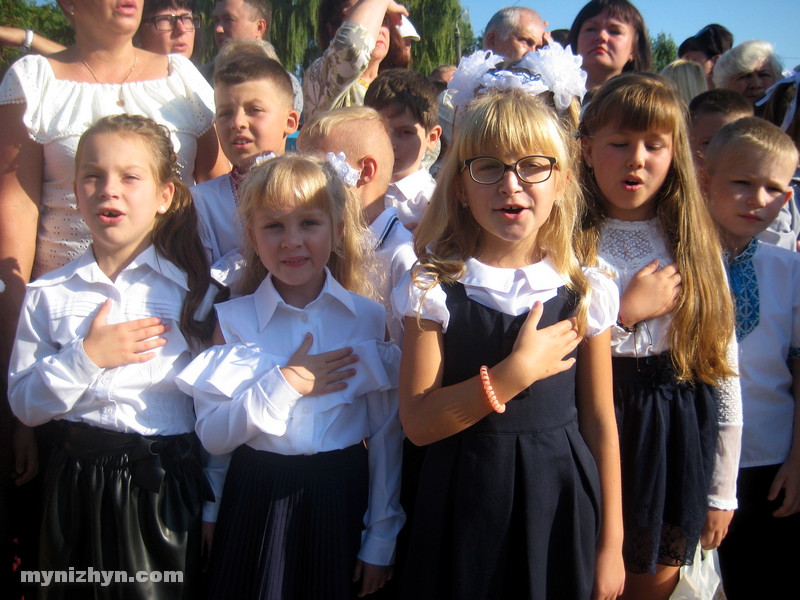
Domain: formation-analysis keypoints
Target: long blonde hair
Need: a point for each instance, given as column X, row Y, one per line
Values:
column 293, row 180
column 702, row 322
column 448, row 234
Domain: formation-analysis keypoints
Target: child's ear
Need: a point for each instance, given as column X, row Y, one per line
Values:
column 586, row 150
column 369, row 170
column 788, row 196
column 292, row 123
column 167, row 194
column 433, row 137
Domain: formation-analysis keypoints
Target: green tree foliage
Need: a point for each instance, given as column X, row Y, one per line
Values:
column 664, row 49
column 435, row 20
column 45, row 19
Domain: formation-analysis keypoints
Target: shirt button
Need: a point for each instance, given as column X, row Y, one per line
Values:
column 306, row 410
column 304, row 318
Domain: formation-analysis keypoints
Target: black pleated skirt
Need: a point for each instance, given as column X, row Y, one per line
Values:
column 668, row 435
column 289, row 527
column 123, row 502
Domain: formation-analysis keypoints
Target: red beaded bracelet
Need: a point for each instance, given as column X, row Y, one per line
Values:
column 490, row 395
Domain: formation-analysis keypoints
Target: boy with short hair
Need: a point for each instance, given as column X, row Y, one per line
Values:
column 709, row 112
column 361, row 134
column 750, row 165
column 255, row 114
column 407, row 100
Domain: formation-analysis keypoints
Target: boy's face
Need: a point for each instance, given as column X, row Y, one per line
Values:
column 704, row 126
column 409, row 141
column 253, row 118
column 746, row 190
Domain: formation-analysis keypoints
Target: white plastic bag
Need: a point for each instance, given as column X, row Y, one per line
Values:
column 700, row 580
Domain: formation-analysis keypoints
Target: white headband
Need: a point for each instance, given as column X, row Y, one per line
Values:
column 794, row 79
column 552, row 68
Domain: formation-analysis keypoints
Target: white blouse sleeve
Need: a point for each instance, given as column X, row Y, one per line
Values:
column 728, row 397
column 239, row 393
column 45, row 380
column 410, row 300
column 603, row 302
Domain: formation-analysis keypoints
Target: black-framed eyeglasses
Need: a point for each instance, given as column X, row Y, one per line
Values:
column 489, row 170
column 167, row 22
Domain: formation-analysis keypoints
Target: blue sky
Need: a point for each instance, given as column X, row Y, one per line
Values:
column 777, row 21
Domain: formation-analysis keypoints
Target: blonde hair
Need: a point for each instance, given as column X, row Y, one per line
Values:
column 702, row 322
column 756, row 133
column 687, row 77
column 360, row 130
column 448, row 234
column 293, row 180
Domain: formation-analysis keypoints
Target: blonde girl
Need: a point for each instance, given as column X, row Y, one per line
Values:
column 519, row 488
column 678, row 406
column 308, row 508
column 98, row 346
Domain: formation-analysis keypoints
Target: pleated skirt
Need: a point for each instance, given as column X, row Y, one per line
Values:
column 289, row 527
column 125, row 503
column 668, row 435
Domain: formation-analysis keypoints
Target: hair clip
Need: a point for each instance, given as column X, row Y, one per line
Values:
column 794, row 79
column 343, row 170
column 550, row 69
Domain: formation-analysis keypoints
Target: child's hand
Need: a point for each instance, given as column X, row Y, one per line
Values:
column 539, row 353
column 788, row 480
column 206, row 541
column 372, row 577
column 128, row 343
column 609, row 576
column 650, row 294
column 715, row 528
column 26, row 453
column 318, row 374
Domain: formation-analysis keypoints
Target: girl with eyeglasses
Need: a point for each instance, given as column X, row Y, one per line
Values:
column 506, row 372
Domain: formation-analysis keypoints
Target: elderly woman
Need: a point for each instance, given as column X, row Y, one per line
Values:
column 749, row 68
column 355, row 35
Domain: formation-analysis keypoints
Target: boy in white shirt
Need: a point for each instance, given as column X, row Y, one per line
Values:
column 254, row 116
column 361, row 134
column 750, row 164
column 407, row 100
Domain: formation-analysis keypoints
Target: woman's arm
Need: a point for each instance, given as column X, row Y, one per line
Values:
column 370, row 14
column 209, row 162
column 788, row 476
column 14, row 37
column 430, row 413
column 21, row 164
column 599, row 428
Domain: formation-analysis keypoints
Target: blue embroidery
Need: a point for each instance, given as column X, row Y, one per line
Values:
column 742, row 277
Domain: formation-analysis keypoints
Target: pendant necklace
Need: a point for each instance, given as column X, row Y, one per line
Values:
column 120, row 99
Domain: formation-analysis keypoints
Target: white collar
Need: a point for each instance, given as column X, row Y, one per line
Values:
column 410, row 184
column 86, row 267
column 267, row 299
column 540, row 276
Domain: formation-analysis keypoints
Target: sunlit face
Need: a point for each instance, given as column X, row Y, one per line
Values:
column 606, row 45
column 118, row 194
column 178, row 40
column 753, row 84
column 527, row 37
column 235, row 20
column 509, row 212
column 410, row 141
column 294, row 245
column 746, row 190
column 113, row 16
column 252, row 118
column 629, row 167
column 382, row 43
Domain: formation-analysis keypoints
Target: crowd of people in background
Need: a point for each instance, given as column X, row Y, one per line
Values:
column 525, row 326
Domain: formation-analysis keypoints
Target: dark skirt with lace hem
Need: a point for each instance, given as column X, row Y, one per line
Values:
column 668, row 435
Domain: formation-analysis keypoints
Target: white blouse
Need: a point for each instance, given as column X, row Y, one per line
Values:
column 512, row 291
column 625, row 248
column 58, row 111
column 51, row 377
column 241, row 396
column 411, row 196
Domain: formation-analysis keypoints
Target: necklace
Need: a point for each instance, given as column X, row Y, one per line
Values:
column 120, row 99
